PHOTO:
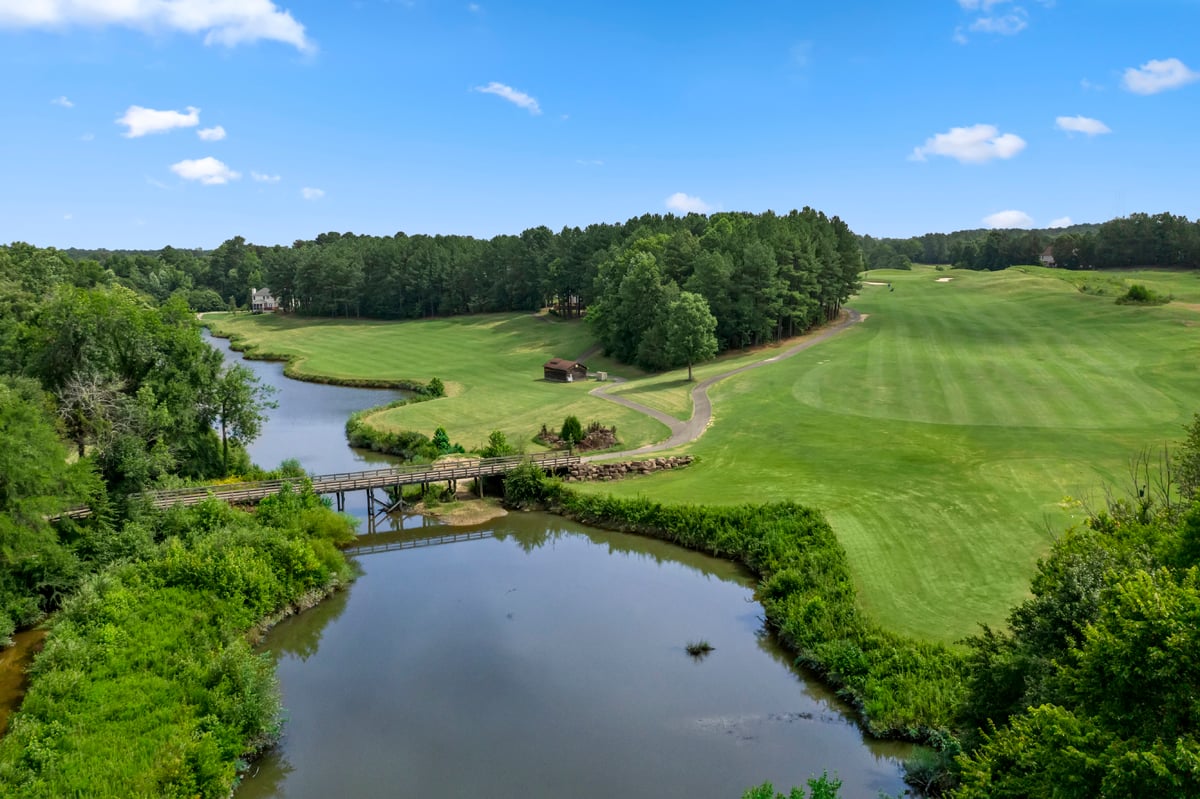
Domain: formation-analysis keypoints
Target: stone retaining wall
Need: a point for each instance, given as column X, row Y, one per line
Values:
column 616, row 471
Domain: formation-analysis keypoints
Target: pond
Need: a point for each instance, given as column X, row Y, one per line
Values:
column 532, row 657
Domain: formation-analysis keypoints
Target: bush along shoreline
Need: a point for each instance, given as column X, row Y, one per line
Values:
column 901, row 688
column 148, row 685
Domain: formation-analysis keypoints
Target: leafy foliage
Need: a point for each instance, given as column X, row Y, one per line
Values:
column 572, row 430
column 146, row 686
column 1140, row 295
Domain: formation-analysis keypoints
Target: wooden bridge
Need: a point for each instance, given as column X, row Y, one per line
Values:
column 339, row 484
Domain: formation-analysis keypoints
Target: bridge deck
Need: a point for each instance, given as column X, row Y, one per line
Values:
column 345, row 481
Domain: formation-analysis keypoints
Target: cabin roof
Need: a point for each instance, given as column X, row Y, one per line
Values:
column 563, row 364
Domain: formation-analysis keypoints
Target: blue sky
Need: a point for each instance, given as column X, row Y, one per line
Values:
column 141, row 123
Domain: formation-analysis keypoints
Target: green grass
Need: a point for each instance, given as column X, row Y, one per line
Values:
column 491, row 365
column 941, row 435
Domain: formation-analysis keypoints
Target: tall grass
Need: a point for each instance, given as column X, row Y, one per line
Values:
column 147, row 686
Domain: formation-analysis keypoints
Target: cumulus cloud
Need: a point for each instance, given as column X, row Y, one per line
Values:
column 310, row 193
column 211, row 134
column 1081, row 124
column 974, row 145
column 225, row 22
column 259, row 177
column 63, row 101
column 514, row 96
column 687, row 204
column 140, row 121
column 1003, row 24
column 208, row 171
column 1008, row 219
column 1158, row 76
column 1062, row 221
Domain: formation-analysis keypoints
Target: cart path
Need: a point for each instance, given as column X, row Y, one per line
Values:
column 687, row 432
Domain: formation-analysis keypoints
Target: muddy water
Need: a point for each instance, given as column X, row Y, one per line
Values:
column 533, row 657
column 13, row 662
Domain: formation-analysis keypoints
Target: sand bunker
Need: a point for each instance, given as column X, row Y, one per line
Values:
column 873, row 283
column 944, row 279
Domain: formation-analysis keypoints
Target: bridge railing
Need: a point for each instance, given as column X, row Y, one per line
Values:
column 349, row 481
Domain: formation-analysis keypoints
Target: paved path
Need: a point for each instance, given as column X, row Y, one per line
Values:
column 693, row 428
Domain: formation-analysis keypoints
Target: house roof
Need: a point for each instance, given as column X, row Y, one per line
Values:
column 1048, row 251
column 563, row 364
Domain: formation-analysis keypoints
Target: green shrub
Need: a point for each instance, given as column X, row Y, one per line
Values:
column 572, row 431
column 526, row 485
column 435, row 388
column 146, row 686
column 1141, row 295
column 497, row 446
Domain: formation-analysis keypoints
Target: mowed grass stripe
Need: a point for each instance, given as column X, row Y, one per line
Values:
column 942, row 435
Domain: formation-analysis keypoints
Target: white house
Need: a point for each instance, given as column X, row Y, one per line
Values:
column 1047, row 258
column 262, row 300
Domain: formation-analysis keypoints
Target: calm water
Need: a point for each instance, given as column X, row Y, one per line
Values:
column 535, row 658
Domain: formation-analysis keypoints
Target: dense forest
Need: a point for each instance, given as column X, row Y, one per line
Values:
column 762, row 276
column 1132, row 241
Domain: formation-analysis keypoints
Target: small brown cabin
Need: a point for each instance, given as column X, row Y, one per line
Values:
column 561, row 370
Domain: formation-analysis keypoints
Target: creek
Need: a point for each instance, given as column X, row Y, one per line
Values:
column 529, row 656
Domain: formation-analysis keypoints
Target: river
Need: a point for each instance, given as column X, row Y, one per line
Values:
column 533, row 657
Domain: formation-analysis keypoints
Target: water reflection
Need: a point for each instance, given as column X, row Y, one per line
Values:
column 541, row 658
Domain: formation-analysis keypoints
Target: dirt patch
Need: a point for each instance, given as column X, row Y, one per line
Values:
column 944, row 279
column 1191, row 306
column 464, row 511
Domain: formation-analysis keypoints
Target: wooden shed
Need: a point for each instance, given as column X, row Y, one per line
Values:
column 560, row 370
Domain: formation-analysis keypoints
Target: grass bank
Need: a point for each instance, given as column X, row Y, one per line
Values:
column 941, row 435
column 491, row 366
column 148, row 686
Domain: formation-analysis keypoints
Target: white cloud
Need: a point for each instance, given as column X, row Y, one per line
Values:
column 959, row 37
column 474, row 8
column 514, row 96
column 1008, row 219
column 63, row 101
column 1004, row 25
column 211, row 134
column 226, row 22
column 980, row 5
column 259, row 177
column 309, row 193
column 1081, row 124
column 589, row 161
column 687, row 204
column 87, row 137
column 974, row 145
column 141, row 121
column 1157, row 76
column 68, row 217
column 1062, row 221
column 1088, row 86
column 208, row 171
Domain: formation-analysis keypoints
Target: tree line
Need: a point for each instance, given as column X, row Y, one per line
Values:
column 1163, row 240
column 763, row 276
